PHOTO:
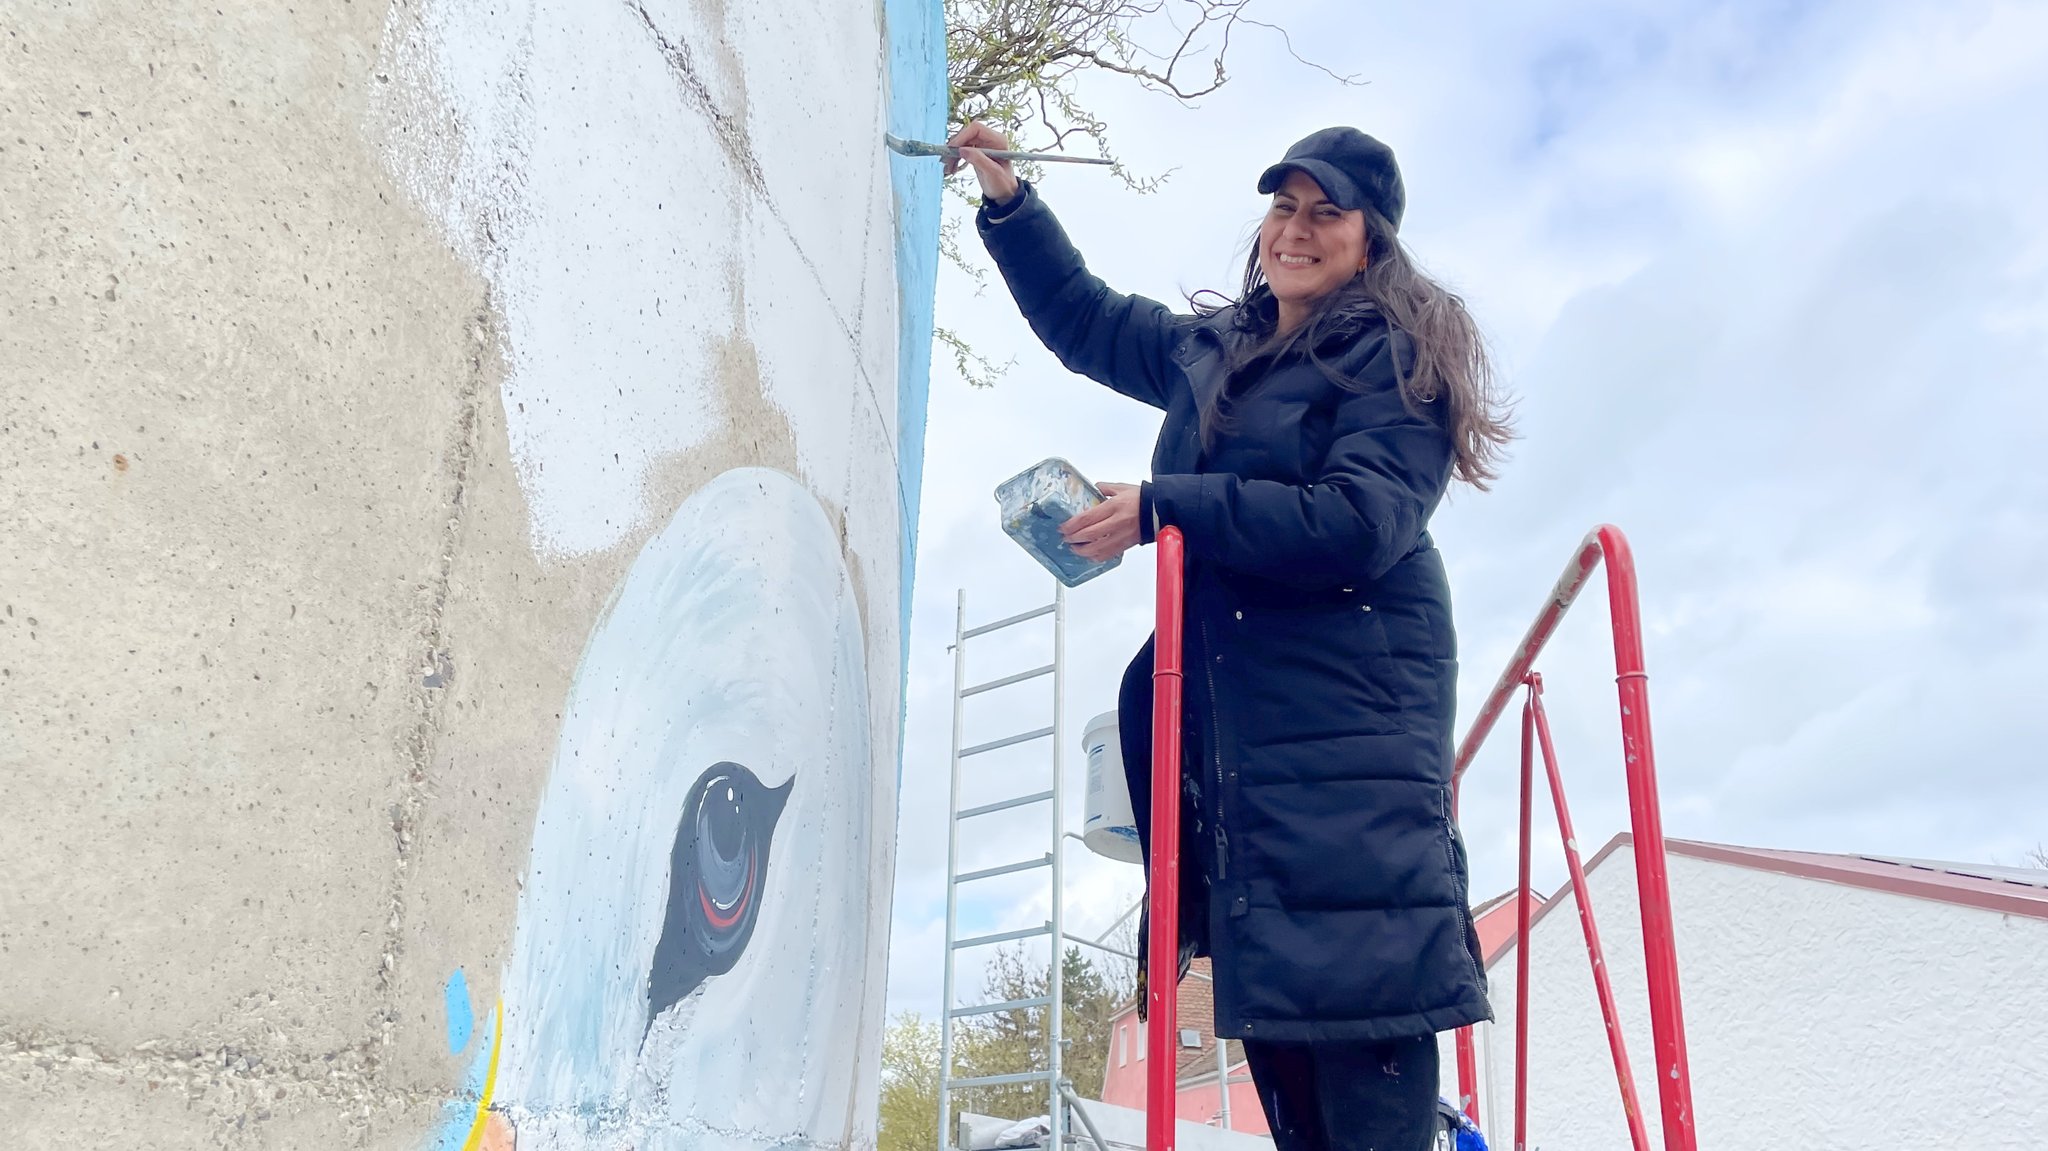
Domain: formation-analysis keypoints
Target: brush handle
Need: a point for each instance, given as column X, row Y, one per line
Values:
column 1041, row 157
column 948, row 152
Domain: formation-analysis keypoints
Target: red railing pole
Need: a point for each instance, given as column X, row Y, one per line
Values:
column 1522, row 936
column 1603, row 987
column 1660, row 947
column 1533, row 641
column 1162, row 966
column 1468, row 1075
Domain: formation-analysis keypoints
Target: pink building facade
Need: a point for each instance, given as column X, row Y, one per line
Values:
column 1199, row 1095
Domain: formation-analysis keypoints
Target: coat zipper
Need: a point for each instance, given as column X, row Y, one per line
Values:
column 1222, row 1003
column 1464, row 912
column 1216, row 754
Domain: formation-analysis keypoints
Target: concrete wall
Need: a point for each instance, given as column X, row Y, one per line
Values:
column 1817, row 1016
column 457, row 474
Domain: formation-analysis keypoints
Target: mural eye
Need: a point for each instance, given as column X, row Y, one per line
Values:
column 728, row 862
column 717, row 871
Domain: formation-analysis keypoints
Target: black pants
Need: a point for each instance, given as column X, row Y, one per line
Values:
column 1378, row 1096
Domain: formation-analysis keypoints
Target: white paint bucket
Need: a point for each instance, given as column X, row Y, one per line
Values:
column 1107, row 826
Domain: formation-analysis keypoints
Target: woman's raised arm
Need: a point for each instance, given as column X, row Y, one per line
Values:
column 1123, row 341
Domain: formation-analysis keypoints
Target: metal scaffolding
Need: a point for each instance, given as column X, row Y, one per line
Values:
column 1053, row 929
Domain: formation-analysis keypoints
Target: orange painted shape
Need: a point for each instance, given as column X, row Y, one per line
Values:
column 498, row 1134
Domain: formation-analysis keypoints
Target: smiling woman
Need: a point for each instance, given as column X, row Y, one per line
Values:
column 1311, row 428
column 1329, row 252
column 1308, row 247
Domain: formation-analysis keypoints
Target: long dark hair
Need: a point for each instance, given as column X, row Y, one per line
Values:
column 1450, row 358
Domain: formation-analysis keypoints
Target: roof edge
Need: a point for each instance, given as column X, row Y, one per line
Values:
column 1905, row 884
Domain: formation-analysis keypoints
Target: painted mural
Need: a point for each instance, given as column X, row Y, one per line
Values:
column 696, row 249
column 689, row 966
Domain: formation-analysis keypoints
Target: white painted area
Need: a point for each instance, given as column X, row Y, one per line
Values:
column 648, row 187
column 1819, row 1016
column 640, row 182
column 734, row 637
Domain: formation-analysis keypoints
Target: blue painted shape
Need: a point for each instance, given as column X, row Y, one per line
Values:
column 458, row 1115
column 461, row 1019
column 917, row 111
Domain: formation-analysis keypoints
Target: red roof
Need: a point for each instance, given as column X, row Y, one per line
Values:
column 2011, row 890
column 2007, row 890
column 1496, row 921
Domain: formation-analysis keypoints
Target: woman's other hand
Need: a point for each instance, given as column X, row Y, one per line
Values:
column 998, row 178
column 1107, row 530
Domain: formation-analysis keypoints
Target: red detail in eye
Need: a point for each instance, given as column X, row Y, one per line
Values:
column 738, row 909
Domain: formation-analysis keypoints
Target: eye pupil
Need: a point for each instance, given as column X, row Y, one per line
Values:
column 727, row 832
column 717, row 876
column 722, row 826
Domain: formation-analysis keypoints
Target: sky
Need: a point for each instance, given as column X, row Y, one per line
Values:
column 1769, row 281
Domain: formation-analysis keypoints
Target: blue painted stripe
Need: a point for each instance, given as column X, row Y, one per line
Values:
column 917, row 110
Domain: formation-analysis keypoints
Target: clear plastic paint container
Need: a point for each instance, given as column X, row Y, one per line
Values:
column 1035, row 502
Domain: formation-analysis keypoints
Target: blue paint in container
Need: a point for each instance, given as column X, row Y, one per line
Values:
column 1035, row 502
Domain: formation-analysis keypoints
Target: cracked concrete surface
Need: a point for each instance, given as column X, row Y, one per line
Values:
column 208, row 279
column 281, row 673
column 730, row 126
column 266, row 592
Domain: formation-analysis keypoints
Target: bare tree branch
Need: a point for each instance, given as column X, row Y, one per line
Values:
column 1352, row 80
column 1015, row 62
column 1018, row 63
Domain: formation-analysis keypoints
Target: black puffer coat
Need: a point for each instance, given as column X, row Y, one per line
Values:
column 1322, row 870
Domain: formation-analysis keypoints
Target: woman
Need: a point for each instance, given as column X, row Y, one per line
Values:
column 1311, row 427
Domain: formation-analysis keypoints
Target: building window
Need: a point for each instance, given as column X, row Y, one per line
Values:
column 1123, row 1044
column 1141, row 1038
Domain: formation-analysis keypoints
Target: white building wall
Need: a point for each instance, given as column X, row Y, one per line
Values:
column 1818, row 1016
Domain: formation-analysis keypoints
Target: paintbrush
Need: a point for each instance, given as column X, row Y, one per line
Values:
column 903, row 147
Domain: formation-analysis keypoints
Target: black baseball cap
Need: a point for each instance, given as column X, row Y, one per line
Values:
column 1353, row 168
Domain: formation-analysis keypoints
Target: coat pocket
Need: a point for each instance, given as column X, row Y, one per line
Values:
column 1299, row 674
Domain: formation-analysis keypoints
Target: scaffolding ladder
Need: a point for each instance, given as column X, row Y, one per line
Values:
column 1053, row 929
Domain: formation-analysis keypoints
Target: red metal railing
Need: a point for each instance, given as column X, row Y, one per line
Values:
column 1162, row 960
column 1667, row 1022
column 1660, row 954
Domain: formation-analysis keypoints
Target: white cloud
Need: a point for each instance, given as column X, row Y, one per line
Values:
column 1772, row 283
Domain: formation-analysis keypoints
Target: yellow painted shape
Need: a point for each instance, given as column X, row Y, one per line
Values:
column 483, row 1104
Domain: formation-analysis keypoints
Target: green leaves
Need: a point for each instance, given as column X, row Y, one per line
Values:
column 999, row 1044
